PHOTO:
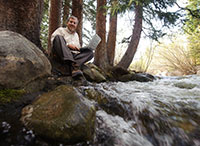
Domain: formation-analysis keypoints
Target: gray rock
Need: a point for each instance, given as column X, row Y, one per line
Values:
column 93, row 73
column 20, row 61
column 62, row 115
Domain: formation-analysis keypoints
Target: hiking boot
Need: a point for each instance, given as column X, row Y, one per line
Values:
column 76, row 72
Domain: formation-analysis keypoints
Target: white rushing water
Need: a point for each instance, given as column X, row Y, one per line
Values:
column 172, row 91
column 166, row 111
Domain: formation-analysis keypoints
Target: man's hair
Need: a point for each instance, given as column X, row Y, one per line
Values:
column 72, row 17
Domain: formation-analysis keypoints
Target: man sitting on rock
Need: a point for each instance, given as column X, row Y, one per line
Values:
column 66, row 47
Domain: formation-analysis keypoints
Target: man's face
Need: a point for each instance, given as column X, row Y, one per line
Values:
column 72, row 24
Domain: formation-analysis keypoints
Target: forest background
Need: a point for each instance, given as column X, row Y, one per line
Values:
column 168, row 53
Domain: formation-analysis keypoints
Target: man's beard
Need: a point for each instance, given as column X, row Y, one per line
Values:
column 72, row 30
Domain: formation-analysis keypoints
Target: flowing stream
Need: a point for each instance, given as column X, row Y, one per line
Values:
column 165, row 112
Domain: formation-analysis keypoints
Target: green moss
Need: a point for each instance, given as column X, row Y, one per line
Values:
column 10, row 95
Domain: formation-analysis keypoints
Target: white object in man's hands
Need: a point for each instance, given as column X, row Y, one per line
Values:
column 93, row 42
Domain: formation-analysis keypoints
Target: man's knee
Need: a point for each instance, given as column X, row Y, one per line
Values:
column 58, row 37
column 91, row 54
column 58, row 41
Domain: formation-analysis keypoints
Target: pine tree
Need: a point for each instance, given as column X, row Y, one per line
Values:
column 100, row 58
column 54, row 18
column 23, row 17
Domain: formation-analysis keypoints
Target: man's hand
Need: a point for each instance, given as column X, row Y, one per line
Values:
column 73, row 47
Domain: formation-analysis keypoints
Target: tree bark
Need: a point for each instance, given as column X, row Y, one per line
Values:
column 77, row 10
column 23, row 17
column 66, row 9
column 111, row 42
column 132, row 48
column 54, row 18
column 100, row 58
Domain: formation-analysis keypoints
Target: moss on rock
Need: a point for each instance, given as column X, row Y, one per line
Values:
column 10, row 95
column 62, row 115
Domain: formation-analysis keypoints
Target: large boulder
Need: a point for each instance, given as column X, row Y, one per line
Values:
column 93, row 74
column 61, row 115
column 20, row 61
column 123, row 75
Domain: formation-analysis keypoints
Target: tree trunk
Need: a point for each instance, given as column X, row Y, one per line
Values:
column 54, row 18
column 23, row 17
column 100, row 58
column 66, row 8
column 77, row 10
column 132, row 48
column 111, row 42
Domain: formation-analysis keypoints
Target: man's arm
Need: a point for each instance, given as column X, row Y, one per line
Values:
column 73, row 47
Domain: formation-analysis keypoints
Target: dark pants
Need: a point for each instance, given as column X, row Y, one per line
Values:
column 66, row 55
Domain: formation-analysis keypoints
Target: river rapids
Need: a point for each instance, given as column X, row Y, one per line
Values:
column 165, row 112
